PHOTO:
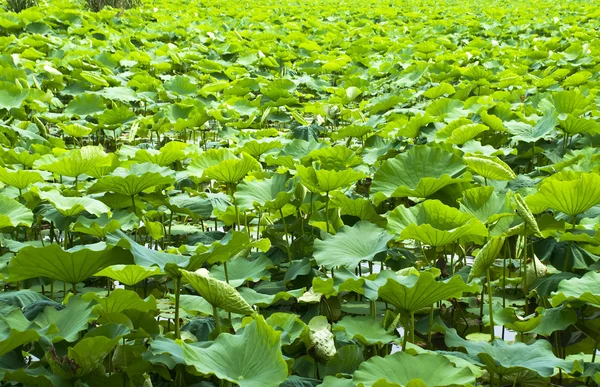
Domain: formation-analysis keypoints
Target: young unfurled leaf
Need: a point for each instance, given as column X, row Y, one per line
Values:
column 218, row 293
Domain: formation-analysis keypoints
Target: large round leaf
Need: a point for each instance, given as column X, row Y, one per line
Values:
column 325, row 180
column 411, row 293
column 569, row 192
column 233, row 170
column 351, row 245
column 19, row 179
column 365, row 329
column 273, row 193
column 420, row 172
column 433, row 223
column 427, row 369
column 250, row 359
column 76, row 162
column 128, row 274
column 585, row 289
column 14, row 214
column 70, row 266
column 72, row 206
column 218, row 293
column 133, row 180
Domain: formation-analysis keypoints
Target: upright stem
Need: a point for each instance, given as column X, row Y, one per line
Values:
column 490, row 304
column 429, row 326
column 327, row 211
column 217, row 322
column 226, row 273
column 287, row 240
column 570, row 246
column 412, row 327
column 177, row 293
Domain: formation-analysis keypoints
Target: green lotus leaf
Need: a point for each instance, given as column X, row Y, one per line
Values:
column 576, row 125
column 144, row 256
column 509, row 318
column 232, row 170
column 485, row 204
column 358, row 131
column 365, row 329
column 76, row 162
column 555, row 319
column 11, row 95
column 133, row 180
column 218, row 293
column 585, row 289
column 351, row 245
column 323, row 180
column 234, row 357
column 75, row 130
column 222, row 250
column 85, row 104
column 72, row 206
column 544, row 128
column 99, row 227
column 22, row 298
column 567, row 102
column 486, row 256
column 288, row 323
column 15, row 330
column 505, row 359
column 19, row 179
column 167, row 155
column 337, row 158
column 568, row 192
column 14, row 214
column 83, row 358
column 120, row 300
column 209, row 159
column 70, row 266
column 71, row 320
column 420, row 172
column 440, row 90
column 464, row 133
column 490, row 167
column 256, row 148
column 411, row 293
column 264, row 300
column 241, row 270
column 359, row 207
column 526, row 214
column 195, row 206
column 400, row 368
column 433, row 223
column 273, row 193
column 128, row 274
column 116, row 117
column 343, row 281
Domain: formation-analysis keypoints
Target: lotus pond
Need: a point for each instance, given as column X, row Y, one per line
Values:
column 315, row 193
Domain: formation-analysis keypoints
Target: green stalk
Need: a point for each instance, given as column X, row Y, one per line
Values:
column 412, row 327
column 217, row 322
column 287, row 240
column 429, row 326
column 327, row 211
column 568, row 255
column 177, row 294
column 490, row 304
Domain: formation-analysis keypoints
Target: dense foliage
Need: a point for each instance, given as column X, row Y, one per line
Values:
column 331, row 193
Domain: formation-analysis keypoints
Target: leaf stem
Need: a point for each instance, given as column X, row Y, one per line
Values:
column 490, row 304
column 177, row 294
